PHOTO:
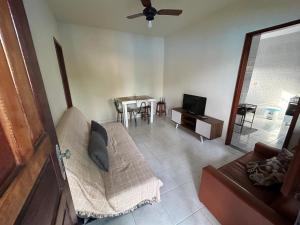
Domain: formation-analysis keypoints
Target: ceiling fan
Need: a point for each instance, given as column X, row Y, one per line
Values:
column 150, row 12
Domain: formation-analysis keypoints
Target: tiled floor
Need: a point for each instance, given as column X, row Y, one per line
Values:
column 177, row 158
column 270, row 132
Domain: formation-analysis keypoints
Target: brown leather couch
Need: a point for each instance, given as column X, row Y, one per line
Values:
column 234, row 200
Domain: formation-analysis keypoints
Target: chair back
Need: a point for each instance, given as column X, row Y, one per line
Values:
column 143, row 104
column 118, row 106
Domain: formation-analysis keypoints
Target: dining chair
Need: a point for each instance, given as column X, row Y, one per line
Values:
column 144, row 110
column 119, row 109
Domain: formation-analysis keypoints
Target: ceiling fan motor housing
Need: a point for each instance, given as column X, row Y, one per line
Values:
column 150, row 12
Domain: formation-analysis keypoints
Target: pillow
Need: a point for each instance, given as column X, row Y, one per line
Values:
column 270, row 171
column 100, row 129
column 97, row 151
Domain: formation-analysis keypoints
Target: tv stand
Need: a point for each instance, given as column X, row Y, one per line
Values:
column 190, row 112
column 205, row 126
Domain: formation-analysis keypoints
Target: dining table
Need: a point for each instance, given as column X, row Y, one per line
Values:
column 125, row 101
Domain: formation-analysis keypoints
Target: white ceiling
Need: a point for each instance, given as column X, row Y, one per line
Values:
column 111, row 14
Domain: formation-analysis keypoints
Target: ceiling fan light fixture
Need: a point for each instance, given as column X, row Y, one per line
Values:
column 150, row 12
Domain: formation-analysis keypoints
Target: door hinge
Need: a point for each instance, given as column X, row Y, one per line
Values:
column 61, row 155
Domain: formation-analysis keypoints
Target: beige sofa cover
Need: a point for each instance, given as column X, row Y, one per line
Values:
column 129, row 183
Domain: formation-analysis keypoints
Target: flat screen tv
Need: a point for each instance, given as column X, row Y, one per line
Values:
column 194, row 104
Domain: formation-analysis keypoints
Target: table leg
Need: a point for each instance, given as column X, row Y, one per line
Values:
column 151, row 111
column 125, row 115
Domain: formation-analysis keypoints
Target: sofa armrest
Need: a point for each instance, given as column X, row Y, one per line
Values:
column 265, row 150
column 233, row 205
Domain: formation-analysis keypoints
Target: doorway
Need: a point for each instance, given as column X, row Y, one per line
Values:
column 266, row 102
column 63, row 72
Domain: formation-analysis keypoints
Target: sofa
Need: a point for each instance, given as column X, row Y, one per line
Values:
column 128, row 184
column 231, row 197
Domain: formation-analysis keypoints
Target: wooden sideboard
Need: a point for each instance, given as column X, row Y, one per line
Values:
column 207, row 126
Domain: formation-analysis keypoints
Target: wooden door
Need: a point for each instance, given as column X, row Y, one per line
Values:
column 32, row 189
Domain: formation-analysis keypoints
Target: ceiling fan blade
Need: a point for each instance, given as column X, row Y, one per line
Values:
column 146, row 3
column 170, row 12
column 135, row 16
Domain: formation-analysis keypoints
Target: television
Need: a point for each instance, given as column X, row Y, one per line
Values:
column 194, row 104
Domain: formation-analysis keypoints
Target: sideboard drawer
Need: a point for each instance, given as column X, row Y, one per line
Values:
column 176, row 117
column 203, row 128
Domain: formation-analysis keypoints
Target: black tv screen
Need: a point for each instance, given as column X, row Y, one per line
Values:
column 194, row 104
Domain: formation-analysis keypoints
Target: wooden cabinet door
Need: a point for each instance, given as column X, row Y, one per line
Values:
column 32, row 190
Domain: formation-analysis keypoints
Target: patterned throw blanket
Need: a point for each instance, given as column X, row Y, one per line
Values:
column 270, row 171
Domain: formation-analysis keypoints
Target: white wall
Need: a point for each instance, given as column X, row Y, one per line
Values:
column 43, row 28
column 276, row 74
column 203, row 58
column 250, row 67
column 104, row 64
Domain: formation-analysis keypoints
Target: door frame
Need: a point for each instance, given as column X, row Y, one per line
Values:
column 292, row 127
column 63, row 72
column 241, row 77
